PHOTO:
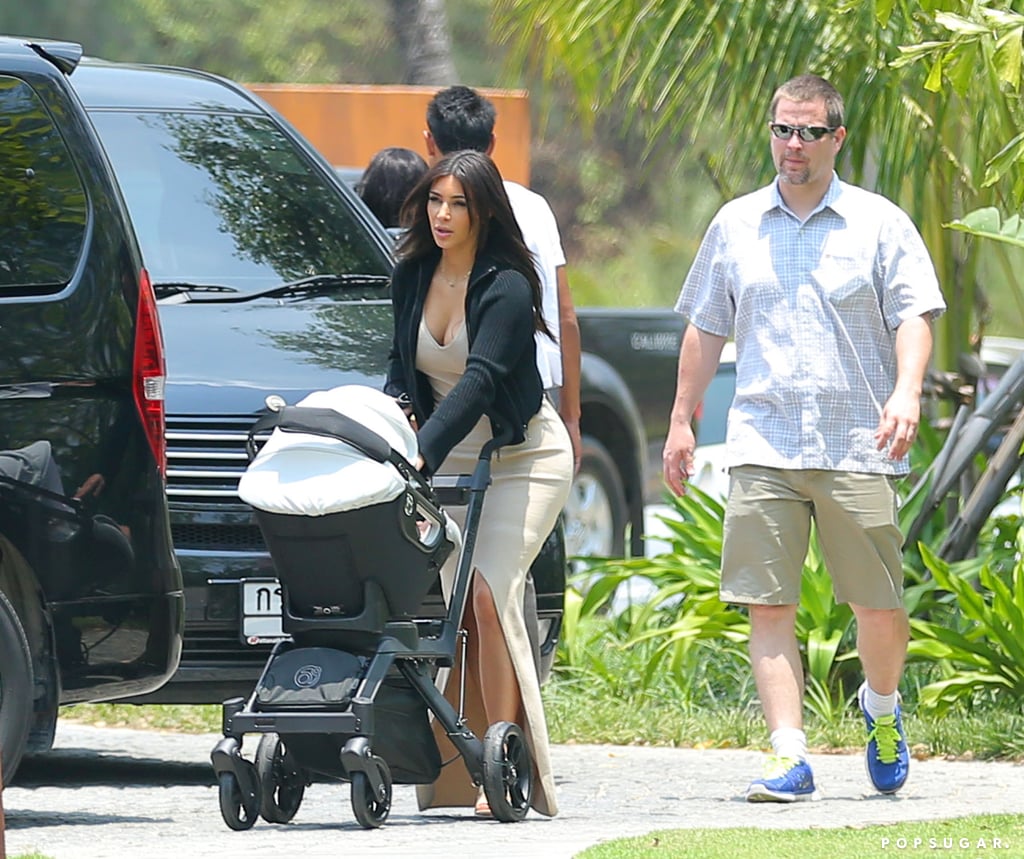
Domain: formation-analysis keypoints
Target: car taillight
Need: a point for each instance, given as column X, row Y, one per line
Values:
column 149, row 372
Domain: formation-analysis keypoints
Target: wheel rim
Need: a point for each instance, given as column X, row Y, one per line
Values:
column 589, row 520
column 238, row 810
column 370, row 809
column 290, row 785
column 282, row 784
column 507, row 772
column 516, row 771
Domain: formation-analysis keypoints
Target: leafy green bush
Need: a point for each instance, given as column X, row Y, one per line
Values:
column 683, row 622
column 967, row 619
column 978, row 644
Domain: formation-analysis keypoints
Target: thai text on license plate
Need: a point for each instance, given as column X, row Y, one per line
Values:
column 261, row 611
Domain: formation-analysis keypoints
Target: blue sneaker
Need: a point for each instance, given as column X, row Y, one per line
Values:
column 887, row 756
column 784, row 780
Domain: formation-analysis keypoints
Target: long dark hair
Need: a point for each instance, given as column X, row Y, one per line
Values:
column 490, row 212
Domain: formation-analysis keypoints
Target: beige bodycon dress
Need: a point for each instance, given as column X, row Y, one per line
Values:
column 529, row 485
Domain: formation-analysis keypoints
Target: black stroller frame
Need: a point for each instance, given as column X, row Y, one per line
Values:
column 376, row 651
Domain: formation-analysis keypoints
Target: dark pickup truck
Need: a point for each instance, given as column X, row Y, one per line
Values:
column 627, row 383
column 630, row 360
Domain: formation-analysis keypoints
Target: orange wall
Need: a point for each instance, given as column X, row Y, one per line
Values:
column 348, row 124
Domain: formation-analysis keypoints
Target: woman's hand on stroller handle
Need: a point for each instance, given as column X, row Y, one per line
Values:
column 405, row 404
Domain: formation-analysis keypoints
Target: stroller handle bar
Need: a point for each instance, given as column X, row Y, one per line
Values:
column 323, row 422
column 494, row 443
column 332, row 424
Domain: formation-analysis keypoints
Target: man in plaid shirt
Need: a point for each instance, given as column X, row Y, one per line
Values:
column 829, row 293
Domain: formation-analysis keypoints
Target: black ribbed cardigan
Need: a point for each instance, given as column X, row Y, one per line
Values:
column 501, row 378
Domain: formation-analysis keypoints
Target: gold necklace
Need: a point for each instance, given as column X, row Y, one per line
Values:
column 452, row 281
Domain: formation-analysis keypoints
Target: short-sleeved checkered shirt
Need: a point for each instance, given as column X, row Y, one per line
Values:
column 814, row 308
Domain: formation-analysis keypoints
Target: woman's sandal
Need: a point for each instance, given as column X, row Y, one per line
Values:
column 482, row 807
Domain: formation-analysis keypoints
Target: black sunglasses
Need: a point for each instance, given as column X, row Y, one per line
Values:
column 807, row 133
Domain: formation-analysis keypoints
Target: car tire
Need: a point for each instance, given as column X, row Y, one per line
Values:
column 596, row 512
column 15, row 689
column 549, row 628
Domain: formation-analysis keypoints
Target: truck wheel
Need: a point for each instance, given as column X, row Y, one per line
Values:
column 15, row 689
column 596, row 512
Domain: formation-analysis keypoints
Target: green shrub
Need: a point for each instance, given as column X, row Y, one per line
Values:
column 977, row 645
column 683, row 622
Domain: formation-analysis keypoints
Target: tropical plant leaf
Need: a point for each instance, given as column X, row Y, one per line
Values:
column 941, row 696
column 960, row 25
column 987, row 654
column 822, row 649
column 1004, row 160
column 987, row 223
column 1007, row 56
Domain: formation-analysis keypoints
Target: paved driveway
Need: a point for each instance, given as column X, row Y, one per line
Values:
column 113, row 794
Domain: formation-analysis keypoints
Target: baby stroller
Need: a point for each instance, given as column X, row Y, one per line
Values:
column 358, row 538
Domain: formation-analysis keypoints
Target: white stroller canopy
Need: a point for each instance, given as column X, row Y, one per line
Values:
column 311, row 475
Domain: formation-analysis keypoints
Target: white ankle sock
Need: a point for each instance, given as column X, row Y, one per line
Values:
column 789, row 743
column 879, row 705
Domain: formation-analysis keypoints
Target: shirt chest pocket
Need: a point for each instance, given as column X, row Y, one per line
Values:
column 846, row 280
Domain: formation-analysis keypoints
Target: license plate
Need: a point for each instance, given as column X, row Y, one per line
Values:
column 261, row 611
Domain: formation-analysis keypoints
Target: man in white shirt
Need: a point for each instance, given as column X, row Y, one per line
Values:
column 460, row 118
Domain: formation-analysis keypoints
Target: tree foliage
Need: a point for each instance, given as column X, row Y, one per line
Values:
column 700, row 73
column 300, row 41
column 991, row 40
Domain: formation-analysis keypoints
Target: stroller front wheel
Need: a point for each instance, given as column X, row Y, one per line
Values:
column 238, row 807
column 371, row 807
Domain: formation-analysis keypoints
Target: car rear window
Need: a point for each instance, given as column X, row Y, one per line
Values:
column 227, row 199
column 42, row 202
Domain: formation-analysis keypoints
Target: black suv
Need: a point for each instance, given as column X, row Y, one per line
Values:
column 271, row 278
column 91, row 604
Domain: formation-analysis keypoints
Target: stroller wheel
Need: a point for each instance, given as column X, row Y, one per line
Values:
column 238, row 807
column 508, row 772
column 371, row 807
column 282, row 781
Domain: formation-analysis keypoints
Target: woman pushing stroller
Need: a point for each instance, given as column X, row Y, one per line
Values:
column 467, row 302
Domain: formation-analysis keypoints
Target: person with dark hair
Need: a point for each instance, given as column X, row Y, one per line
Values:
column 387, row 181
column 467, row 303
column 460, row 118
column 830, row 294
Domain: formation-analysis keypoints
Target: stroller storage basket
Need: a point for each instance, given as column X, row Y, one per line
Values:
column 402, row 736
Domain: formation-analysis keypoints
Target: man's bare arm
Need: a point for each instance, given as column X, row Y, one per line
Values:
column 569, row 335
column 901, row 415
column 699, row 354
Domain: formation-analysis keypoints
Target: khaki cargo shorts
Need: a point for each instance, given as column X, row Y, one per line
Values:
column 768, row 525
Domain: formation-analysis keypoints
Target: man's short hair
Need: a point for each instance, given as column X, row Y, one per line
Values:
column 811, row 88
column 460, row 118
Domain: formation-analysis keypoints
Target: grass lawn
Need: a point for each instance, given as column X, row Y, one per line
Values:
column 986, row 835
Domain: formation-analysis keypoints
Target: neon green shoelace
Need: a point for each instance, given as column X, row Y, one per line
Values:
column 886, row 738
column 777, row 766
